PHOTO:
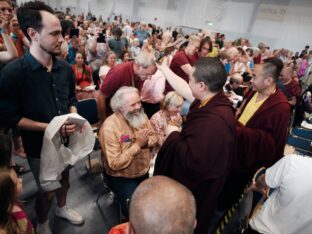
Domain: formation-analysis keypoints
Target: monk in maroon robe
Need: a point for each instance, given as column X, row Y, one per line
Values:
column 200, row 155
column 260, row 140
column 292, row 88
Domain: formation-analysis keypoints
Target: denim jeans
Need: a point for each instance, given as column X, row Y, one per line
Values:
column 124, row 188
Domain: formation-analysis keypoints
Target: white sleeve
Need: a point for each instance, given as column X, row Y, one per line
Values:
column 275, row 174
column 104, row 70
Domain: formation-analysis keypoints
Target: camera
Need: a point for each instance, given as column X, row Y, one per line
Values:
column 101, row 38
column 246, row 77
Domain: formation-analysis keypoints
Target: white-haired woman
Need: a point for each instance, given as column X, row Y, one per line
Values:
column 168, row 115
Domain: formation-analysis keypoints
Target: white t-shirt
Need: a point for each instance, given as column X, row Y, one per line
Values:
column 288, row 210
column 104, row 70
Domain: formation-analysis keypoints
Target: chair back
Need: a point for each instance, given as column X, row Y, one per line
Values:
column 303, row 133
column 87, row 108
column 300, row 144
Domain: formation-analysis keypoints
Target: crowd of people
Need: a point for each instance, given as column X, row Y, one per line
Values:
column 201, row 110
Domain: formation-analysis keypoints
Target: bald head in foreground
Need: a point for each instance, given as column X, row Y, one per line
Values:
column 162, row 205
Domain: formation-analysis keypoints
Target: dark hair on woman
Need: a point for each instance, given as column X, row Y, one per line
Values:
column 124, row 53
column 250, row 51
column 29, row 16
column 84, row 69
column 205, row 41
column 8, row 199
column 241, row 51
column 5, row 150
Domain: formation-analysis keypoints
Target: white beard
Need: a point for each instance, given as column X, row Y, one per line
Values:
column 136, row 120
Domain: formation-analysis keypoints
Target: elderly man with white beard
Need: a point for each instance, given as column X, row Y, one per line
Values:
column 126, row 138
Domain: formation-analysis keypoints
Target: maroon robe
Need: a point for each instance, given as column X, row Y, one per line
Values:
column 260, row 143
column 293, row 89
column 200, row 156
column 262, row 140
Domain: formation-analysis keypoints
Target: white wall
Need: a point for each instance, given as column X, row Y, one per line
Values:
column 279, row 23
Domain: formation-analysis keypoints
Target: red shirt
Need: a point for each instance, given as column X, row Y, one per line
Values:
column 257, row 60
column 293, row 89
column 178, row 60
column 83, row 79
column 118, row 76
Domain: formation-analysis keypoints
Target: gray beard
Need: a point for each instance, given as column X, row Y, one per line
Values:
column 136, row 120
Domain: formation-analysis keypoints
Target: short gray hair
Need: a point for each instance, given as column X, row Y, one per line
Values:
column 117, row 100
column 145, row 59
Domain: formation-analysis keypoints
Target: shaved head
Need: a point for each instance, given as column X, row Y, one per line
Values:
column 286, row 74
column 161, row 205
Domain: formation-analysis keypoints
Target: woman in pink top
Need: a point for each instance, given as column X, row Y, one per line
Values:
column 168, row 115
column 303, row 65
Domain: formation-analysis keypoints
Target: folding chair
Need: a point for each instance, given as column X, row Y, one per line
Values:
column 87, row 108
column 303, row 133
column 300, row 144
column 107, row 190
column 235, row 219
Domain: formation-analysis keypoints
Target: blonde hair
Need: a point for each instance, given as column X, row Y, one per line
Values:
column 193, row 39
column 172, row 99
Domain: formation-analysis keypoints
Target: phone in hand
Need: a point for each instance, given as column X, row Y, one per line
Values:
column 101, row 38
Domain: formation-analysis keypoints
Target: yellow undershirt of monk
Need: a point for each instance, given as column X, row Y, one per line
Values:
column 251, row 109
column 204, row 102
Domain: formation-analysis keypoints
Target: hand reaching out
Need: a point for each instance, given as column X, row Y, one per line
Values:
column 172, row 128
column 176, row 121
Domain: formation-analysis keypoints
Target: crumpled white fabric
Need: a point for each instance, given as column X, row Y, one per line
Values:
column 55, row 157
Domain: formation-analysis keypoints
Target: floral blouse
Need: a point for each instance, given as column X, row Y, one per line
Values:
column 160, row 121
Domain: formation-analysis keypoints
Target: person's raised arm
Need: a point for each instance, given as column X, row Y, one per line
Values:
column 177, row 83
column 187, row 68
column 11, row 52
